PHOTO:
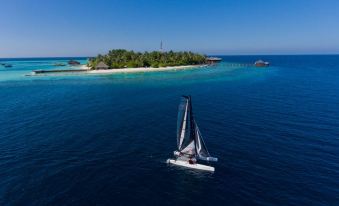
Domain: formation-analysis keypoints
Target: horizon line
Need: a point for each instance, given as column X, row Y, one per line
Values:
column 301, row 54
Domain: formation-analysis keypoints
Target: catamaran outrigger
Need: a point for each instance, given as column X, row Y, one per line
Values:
column 191, row 146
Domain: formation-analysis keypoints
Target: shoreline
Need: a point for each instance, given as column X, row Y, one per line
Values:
column 121, row 70
column 141, row 69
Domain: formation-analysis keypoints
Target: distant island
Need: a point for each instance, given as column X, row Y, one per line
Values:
column 120, row 58
column 124, row 61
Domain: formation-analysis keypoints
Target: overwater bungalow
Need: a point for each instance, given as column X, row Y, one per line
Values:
column 213, row 60
column 102, row 65
column 261, row 63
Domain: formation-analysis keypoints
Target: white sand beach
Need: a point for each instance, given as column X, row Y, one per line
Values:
column 85, row 70
column 136, row 70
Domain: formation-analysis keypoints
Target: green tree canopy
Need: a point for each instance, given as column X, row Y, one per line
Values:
column 120, row 58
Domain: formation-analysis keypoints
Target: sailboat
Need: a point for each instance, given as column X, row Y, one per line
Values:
column 190, row 144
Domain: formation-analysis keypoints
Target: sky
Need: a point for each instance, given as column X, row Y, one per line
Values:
column 57, row 28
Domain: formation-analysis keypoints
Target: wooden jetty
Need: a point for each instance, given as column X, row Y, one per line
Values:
column 41, row 71
column 213, row 60
column 238, row 65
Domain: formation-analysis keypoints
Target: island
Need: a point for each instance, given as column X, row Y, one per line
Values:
column 124, row 61
column 121, row 58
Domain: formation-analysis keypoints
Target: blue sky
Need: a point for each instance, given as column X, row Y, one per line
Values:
column 39, row 28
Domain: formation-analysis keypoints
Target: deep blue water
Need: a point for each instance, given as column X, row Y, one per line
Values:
column 104, row 140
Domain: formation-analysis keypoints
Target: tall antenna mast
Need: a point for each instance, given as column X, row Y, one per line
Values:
column 161, row 46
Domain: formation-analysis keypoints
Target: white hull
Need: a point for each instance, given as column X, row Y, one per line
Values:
column 192, row 166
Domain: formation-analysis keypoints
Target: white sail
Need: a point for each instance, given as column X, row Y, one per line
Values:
column 190, row 149
column 183, row 126
column 185, row 138
column 201, row 148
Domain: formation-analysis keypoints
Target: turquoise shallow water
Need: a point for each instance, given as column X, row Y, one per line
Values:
column 104, row 139
column 24, row 66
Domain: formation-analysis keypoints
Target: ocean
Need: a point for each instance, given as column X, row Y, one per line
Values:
column 105, row 139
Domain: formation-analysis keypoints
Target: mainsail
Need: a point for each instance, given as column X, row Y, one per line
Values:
column 189, row 139
column 185, row 138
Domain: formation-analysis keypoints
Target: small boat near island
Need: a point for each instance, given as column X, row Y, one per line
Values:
column 191, row 146
column 73, row 63
column 6, row 65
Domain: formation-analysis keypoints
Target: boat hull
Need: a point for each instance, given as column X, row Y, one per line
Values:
column 192, row 166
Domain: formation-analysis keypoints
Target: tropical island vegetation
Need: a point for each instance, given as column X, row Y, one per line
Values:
column 121, row 58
